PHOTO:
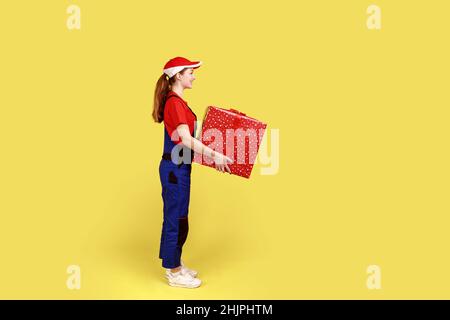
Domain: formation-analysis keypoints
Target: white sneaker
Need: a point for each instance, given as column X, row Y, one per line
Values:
column 193, row 273
column 183, row 279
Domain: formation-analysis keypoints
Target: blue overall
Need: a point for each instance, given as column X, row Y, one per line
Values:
column 176, row 186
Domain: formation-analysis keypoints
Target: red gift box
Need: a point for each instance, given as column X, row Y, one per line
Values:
column 234, row 134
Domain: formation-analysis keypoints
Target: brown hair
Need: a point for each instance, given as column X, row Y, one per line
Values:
column 163, row 86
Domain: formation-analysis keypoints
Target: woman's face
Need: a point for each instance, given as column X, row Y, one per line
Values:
column 186, row 78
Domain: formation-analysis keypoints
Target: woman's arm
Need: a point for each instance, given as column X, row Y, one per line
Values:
column 189, row 141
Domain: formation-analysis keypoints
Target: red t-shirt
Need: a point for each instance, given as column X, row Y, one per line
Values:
column 176, row 112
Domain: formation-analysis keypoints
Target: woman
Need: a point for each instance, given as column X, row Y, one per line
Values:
column 175, row 166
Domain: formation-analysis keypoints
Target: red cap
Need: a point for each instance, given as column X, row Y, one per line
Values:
column 175, row 65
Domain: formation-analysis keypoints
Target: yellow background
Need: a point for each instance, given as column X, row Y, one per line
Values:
column 363, row 119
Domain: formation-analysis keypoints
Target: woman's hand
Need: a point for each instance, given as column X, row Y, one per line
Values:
column 221, row 162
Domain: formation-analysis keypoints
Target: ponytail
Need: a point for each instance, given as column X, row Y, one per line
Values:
column 163, row 86
column 161, row 90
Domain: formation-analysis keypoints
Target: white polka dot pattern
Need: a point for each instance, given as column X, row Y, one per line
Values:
column 235, row 135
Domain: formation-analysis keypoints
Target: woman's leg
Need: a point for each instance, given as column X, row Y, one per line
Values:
column 175, row 193
column 176, row 269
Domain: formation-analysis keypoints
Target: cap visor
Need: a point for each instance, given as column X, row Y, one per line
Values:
column 195, row 64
